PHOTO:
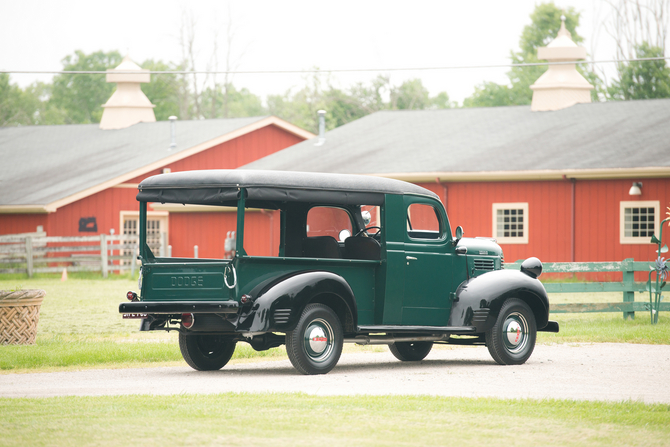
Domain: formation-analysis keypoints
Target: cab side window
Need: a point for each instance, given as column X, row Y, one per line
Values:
column 323, row 228
column 423, row 222
column 327, row 221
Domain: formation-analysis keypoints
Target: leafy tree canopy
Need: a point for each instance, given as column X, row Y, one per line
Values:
column 544, row 27
column 81, row 96
column 643, row 79
column 344, row 106
column 164, row 90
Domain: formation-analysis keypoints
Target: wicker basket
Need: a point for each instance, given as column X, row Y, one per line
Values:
column 19, row 314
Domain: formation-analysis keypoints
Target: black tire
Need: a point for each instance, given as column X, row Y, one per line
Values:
column 511, row 340
column 411, row 351
column 315, row 345
column 206, row 352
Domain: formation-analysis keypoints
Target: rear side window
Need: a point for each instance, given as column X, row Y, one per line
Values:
column 423, row 222
column 327, row 221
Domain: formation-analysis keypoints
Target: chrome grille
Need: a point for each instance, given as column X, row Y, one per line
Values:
column 484, row 264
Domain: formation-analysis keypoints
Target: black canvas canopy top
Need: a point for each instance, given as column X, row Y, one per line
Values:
column 222, row 187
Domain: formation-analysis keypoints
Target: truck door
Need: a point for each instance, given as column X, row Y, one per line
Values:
column 429, row 264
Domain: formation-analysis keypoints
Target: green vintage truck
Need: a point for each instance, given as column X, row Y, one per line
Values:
column 360, row 259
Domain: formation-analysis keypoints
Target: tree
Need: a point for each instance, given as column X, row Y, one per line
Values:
column 229, row 102
column 16, row 107
column 544, row 27
column 490, row 94
column 81, row 96
column 165, row 90
column 640, row 30
column 344, row 106
column 643, row 79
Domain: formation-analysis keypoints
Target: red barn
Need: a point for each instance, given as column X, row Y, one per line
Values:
column 77, row 180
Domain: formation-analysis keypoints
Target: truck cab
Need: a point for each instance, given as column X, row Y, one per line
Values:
column 360, row 259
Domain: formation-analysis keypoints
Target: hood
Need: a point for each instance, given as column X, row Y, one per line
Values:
column 480, row 246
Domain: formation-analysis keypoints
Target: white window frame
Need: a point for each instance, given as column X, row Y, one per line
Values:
column 506, row 206
column 623, row 239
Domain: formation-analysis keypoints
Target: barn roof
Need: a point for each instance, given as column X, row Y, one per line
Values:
column 610, row 139
column 45, row 167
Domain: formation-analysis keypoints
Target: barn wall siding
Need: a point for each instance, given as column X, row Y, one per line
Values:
column 598, row 220
column 22, row 223
column 470, row 205
column 105, row 206
column 234, row 153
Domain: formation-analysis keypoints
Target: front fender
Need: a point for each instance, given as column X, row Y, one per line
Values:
column 478, row 300
column 279, row 307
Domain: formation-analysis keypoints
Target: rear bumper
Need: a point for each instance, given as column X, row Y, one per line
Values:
column 180, row 307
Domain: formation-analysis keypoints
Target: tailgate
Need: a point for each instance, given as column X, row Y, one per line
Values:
column 186, row 280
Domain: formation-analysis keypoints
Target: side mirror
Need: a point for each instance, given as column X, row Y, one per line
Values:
column 459, row 234
column 367, row 217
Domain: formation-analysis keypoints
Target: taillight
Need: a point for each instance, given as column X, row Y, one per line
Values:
column 132, row 296
column 187, row 320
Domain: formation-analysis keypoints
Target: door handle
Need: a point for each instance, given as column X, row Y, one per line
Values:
column 410, row 258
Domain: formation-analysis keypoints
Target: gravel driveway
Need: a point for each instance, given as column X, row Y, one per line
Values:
column 601, row 371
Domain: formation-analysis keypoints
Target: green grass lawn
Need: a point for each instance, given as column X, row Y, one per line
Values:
column 296, row 419
column 80, row 327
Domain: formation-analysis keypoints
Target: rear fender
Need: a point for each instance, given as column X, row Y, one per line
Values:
column 479, row 300
column 279, row 306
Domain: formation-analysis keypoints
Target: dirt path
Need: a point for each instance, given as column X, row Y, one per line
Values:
column 602, row 371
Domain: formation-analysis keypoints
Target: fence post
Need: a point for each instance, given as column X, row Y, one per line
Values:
column 29, row 256
column 133, row 260
column 628, row 271
column 103, row 254
column 195, row 251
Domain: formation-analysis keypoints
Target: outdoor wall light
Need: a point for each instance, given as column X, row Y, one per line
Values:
column 636, row 189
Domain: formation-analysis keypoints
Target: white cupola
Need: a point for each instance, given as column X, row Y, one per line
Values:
column 561, row 85
column 128, row 105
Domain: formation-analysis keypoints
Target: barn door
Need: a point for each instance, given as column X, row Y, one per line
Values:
column 157, row 231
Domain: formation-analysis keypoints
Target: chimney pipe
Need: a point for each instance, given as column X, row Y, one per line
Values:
column 322, row 128
column 173, row 132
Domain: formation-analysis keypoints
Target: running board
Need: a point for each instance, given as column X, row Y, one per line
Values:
column 390, row 339
column 414, row 329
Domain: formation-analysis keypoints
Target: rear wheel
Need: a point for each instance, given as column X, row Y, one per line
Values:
column 411, row 351
column 511, row 340
column 206, row 352
column 314, row 347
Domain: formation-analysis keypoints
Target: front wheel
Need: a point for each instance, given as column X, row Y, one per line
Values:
column 511, row 340
column 206, row 352
column 411, row 351
column 314, row 347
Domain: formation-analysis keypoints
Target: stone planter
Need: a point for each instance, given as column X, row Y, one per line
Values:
column 19, row 314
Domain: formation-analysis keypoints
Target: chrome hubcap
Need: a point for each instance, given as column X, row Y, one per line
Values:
column 515, row 332
column 319, row 340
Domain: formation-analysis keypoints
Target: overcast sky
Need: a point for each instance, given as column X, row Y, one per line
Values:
column 288, row 35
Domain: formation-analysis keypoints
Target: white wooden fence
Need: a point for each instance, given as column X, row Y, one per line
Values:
column 36, row 253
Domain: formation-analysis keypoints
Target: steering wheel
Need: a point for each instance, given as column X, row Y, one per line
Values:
column 365, row 230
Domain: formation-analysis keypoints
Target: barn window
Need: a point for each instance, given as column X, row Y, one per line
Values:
column 638, row 221
column 510, row 223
